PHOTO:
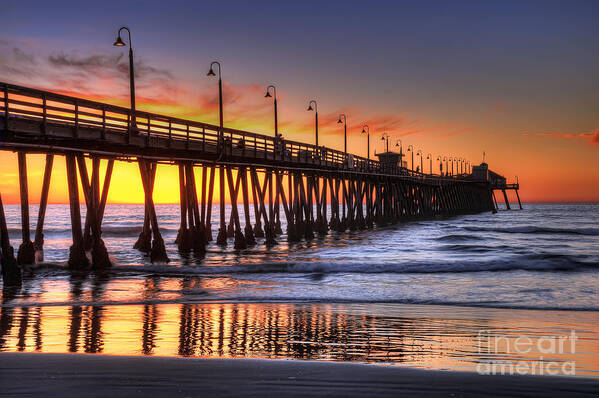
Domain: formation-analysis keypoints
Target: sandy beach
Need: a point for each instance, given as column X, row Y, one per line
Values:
column 52, row 375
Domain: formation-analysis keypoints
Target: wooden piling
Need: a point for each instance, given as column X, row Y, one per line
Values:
column 41, row 214
column 11, row 273
column 144, row 242
column 269, row 230
column 99, row 254
column 208, row 221
column 196, row 228
column 278, row 229
column 158, row 251
column 221, row 238
column 182, row 239
column 258, row 231
column 507, row 202
column 26, row 254
column 240, row 242
column 77, row 258
column 105, row 188
column 518, row 196
column 248, row 230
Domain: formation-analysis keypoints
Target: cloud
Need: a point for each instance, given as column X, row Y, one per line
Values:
column 104, row 65
column 591, row 138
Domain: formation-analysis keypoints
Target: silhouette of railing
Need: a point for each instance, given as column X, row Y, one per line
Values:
column 47, row 108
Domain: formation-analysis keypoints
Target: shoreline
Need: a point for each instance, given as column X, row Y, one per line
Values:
column 34, row 374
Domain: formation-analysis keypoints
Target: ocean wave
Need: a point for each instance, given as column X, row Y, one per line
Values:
column 474, row 248
column 528, row 262
column 458, row 238
column 532, row 229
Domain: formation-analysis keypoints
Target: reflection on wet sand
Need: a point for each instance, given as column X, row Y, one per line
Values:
column 431, row 337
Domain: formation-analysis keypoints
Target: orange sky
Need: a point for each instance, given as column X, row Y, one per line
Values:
column 549, row 167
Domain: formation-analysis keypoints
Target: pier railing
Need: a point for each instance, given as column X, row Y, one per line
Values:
column 46, row 107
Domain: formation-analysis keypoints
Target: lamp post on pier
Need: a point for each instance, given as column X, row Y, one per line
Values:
column 398, row 144
column 120, row 43
column 430, row 157
column 274, row 91
column 315, row 109
column 385, row 137
column 446, row 165
column 344, row 131
column 411, row 149
column 366, row 130
column 419, row 153
column 221, row 238
column 440, row 164
column 220, row 97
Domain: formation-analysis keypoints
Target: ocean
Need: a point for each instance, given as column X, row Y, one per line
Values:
column 418, row 293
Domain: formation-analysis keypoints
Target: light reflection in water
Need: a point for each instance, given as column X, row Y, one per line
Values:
column 422, row 336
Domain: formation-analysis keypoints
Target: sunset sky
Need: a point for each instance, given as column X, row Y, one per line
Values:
column 518, row 80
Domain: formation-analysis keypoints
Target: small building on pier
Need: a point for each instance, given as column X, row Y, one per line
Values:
column 482, row 173
column 391, row 161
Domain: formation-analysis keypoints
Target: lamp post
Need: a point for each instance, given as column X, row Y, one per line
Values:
column 384, row 137
column 411, row 149
column 315, row 109
column 119, row 43
column 461, row 165
column 446, row 166
column 274, row 91
column 344, row 131
column 220, row 95
column 366, row 130
column 419, row 153
column 430, row 157
column 221, row 238
column 440, row 164
column 398, row 144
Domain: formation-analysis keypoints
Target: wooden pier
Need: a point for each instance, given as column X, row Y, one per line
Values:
column 316, row 189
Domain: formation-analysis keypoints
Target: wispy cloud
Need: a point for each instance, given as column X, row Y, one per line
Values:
column 591, row 138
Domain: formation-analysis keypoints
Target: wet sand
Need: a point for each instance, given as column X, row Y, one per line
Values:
column 52, row 375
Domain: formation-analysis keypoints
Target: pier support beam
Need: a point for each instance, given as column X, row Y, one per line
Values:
column 197, row 233
column 91, row 190
column 240, row 242
column 158, row 251
column 183, row 238
column 518, row 196
column 11, row 273
column 249, row 232
column 41, row 214
column 221, row 238
column 507, row 202
column 258, row 231
column 77, row 257
column 208, row 221
column 26, row 254
column 144, row 242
